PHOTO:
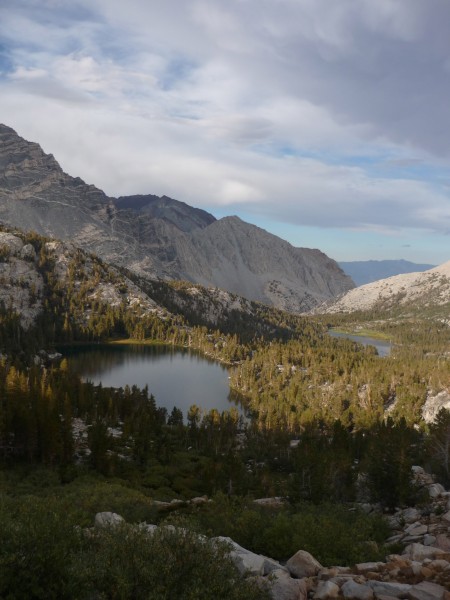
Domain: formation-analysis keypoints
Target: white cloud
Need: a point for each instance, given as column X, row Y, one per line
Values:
column 287, row 107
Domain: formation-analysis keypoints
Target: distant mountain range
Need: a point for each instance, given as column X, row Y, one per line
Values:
column 160, row 237
column 367, row 271
column 416, row 291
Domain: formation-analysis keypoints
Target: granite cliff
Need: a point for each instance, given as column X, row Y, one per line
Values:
column 160, row 237
column 418, row 291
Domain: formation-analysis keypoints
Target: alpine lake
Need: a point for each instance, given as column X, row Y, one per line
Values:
column 176, row 377
column 383, row 347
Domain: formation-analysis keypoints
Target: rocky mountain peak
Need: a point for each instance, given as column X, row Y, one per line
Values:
column 184, row 217
column 159, row 236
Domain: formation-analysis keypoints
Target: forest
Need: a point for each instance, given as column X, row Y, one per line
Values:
column 330, row 425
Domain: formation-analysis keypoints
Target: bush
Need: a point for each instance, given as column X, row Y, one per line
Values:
column 330, row 532
column 44, row 555
column 126, row 562
column 38, row 545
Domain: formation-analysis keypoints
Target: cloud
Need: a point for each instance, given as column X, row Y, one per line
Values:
column 308, row 112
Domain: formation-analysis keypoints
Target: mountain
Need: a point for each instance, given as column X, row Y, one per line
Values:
column 160, row 237
column 367, row 271
column 180, row 214
column 418, row 291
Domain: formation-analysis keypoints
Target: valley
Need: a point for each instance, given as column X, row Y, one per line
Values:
column 331, row 428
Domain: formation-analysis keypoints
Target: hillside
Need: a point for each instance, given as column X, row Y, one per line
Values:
column 160, row 237
column 412, row 291
column 367, row 271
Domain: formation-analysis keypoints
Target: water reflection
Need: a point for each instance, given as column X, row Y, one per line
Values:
column 383, row 347
column 176, row 377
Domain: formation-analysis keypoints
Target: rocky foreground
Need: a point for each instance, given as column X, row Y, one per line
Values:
column 420, row 571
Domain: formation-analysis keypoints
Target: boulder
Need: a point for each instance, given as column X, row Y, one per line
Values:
column 410, row 515
column 443, row 542
column 426, row 591
column 283, row 587
column 325, row 590
column 275, row 502
column 271, row 565
column 247, row 562
column 397, row 590
column 435, row 490
column 416, row 529
column 108, row 519
column 420, row 552
column 429, row 540
column 303, row 564
column 356, row 591
column 368, row 567
column 28, row 252
column 200, row 500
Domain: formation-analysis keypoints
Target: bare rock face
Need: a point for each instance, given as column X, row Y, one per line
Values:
column 160, row 237
column 21, row 284
column 435, row 403
column 425, row 289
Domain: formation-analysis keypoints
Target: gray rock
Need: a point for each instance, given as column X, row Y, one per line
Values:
column 426, row 591
column 410, row 515
column 247, row 562
column 200, row 500
column 443, row 542
column 368, row 566
column 420, row 552
column 148, row 527
column 28, row 252
column 283, row 587
column 417, row 470
column 326, row 589
column 416, row 529
column 108, row 519
column 271, row 565
column 434, row 404
column 274, row 502
column 356, row 591
column 429, row 540
column 398, row 590
column 303, row 564
column 435, row 490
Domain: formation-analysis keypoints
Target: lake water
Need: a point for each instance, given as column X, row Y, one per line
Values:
column 175, row 377
column 383, row 347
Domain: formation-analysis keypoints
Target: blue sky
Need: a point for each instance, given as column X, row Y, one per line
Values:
column 323, row 122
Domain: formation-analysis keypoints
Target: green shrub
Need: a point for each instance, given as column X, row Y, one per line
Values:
column 38, row 545
column 330, row 532
column 44, row 555
column 125, row 562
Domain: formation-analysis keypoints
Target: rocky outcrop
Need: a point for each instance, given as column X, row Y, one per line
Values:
column 420, row 571
column 160, row 237
column 22, row 287
column 21, row 284
column 434, row 403
column 427, row 289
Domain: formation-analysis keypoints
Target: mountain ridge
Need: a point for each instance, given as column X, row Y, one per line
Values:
column 160, row 238
column 368, row 271
column 418, row 290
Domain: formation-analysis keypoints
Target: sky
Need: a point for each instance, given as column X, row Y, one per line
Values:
column 325, row 122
